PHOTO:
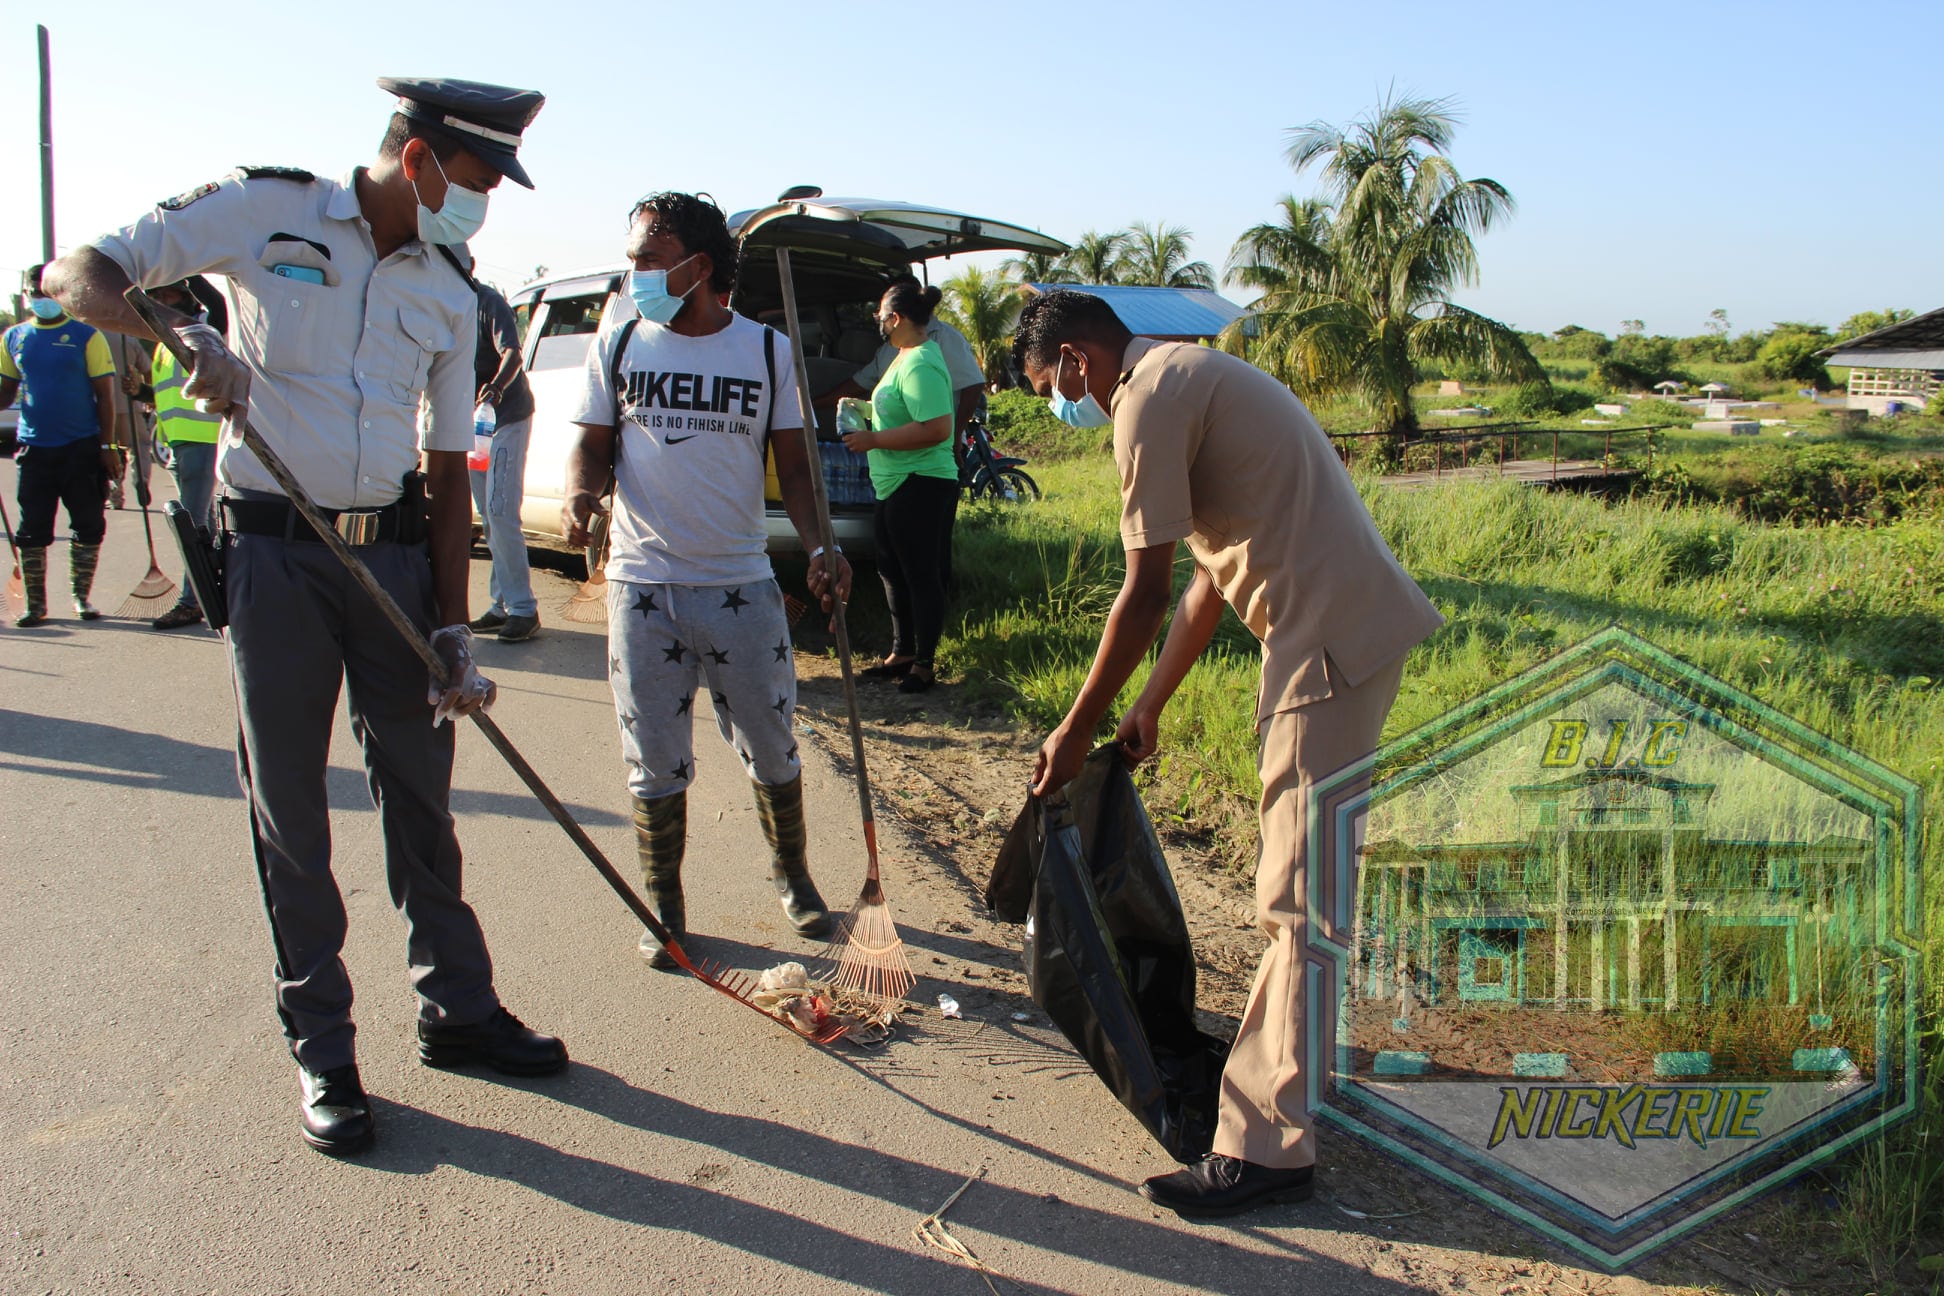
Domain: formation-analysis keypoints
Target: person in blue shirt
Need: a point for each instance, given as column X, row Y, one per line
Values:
column 63, row 374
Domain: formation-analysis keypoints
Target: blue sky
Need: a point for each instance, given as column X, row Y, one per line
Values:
column 1773, row 159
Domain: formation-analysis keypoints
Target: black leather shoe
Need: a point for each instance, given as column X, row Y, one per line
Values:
column 1224, row 1185
column 335, row 1115
column 500, row 1042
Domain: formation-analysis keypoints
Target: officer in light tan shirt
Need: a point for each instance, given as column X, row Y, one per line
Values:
column 1215, row 452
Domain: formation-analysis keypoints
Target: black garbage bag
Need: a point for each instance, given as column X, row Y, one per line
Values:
column 1107, row 950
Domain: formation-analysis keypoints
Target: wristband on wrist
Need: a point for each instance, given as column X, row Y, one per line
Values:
column 819, row 549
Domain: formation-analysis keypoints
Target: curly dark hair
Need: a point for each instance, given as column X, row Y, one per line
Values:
column 697, row 224
column 1064, row 316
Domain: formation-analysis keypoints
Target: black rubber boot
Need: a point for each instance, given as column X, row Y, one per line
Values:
column 82, row 560
column 780, row 809
column 33, row 578
column 661, row 836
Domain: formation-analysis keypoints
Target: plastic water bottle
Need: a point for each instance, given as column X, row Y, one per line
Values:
column 484, row 421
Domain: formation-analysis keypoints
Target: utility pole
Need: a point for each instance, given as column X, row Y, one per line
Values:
column 46, row 149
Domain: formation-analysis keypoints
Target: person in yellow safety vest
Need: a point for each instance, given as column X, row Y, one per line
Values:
column 191, row 436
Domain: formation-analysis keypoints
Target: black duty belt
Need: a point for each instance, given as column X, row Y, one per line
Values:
column 281, row 519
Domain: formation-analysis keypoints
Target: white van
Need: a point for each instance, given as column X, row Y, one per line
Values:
column 843, row 251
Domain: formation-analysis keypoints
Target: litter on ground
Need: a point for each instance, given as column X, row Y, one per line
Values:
column 788, row 992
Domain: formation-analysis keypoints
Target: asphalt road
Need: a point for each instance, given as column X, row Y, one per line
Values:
column 149, row 1136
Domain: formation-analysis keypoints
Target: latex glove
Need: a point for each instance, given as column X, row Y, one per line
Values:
column 469, row 691
column 218, row 381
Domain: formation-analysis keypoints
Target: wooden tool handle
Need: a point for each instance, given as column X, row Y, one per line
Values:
column 144, row 306
column 829, row 538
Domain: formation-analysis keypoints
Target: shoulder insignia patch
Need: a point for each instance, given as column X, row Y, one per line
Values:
column 298, row 174
column 182, row 200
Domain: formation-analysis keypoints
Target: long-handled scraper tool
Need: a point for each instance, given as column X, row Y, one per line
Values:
column 14, row 601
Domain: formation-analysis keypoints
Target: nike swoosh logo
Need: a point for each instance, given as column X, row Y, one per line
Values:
column 678, row 440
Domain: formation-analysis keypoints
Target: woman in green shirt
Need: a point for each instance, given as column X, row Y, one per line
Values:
column 916, row 481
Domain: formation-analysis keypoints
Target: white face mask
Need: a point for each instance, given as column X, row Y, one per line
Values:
column 463, row 212
column 648, row 289
column 1082, row 413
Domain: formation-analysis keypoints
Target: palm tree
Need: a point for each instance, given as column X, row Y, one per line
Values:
column 1032, row 267
column 984, row 306
column 1157, row 255
column 1094, row 258
column 1356, row 285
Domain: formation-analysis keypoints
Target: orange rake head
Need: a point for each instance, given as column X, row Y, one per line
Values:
column 740, row 986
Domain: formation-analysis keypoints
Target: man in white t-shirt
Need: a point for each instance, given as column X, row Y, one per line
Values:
column 682, row 399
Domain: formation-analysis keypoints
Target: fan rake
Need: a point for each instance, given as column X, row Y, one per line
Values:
column 869, row 954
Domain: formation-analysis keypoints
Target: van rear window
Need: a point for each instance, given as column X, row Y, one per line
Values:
column 572, row 315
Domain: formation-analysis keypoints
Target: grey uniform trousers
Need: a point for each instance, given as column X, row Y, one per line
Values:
column 298, row 626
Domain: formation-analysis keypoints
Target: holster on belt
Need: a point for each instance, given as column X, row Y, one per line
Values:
column 414, row 512
column 202, row 562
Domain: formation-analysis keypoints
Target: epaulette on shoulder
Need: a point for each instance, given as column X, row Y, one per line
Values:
column 298, row 174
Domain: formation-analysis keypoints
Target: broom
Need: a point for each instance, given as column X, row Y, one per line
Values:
column 588, row 604
column 14, row 601
column 156, row 591
column 736, row 985
column 869, row 954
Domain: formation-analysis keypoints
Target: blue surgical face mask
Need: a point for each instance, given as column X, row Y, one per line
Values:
column 46, row 308
column 458, row 219
column 648, row 289
column 1082, row 413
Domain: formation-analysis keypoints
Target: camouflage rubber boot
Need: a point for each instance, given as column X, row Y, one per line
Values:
column 33, row 576
column 780, row 809
column 82, row 559
column 661, row 836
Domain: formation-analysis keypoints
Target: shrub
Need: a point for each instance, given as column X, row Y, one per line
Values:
column 1537, row 400
column 1790, row 354
column 1807, row 485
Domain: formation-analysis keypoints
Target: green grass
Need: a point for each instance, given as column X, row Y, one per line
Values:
column 1841, row 628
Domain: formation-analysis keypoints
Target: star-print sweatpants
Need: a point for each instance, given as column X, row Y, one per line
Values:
column 675, row 649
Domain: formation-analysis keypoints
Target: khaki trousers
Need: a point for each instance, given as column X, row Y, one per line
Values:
column 1265, row 1115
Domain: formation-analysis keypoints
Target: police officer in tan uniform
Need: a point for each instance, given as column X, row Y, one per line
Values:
column 353, row 312
column 1215, row 452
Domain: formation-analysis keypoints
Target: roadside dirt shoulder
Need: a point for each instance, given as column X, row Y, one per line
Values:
column 954, row 771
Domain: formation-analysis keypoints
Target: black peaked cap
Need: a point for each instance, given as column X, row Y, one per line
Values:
column 488, row 119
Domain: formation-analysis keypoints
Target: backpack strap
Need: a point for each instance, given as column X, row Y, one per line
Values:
column 614, row 379
column 614, row 375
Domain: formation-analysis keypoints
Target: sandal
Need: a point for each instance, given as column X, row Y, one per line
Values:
column 918, row 679
column 888, row 670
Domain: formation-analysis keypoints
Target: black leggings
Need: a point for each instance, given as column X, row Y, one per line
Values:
column 914, row 536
